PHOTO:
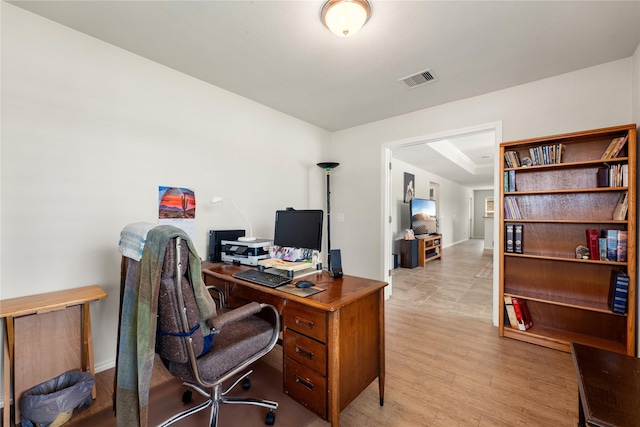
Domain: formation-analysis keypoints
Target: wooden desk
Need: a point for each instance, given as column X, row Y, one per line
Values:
column 45, row 336
column 333, row 341
column 609, row 386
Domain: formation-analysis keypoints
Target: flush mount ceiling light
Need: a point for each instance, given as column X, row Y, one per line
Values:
column 345, row 17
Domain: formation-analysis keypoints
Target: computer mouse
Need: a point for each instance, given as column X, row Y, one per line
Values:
column 304, row 284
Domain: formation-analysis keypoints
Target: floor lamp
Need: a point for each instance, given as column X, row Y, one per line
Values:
column 328, row 167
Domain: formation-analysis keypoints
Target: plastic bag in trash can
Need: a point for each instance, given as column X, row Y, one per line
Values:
column 56, row 399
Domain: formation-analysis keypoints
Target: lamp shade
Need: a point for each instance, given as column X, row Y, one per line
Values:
column 345, row 17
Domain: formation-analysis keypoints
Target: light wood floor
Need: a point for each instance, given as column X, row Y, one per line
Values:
column 446, row 365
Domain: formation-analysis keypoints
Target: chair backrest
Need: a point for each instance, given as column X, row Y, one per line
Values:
column 171, row 343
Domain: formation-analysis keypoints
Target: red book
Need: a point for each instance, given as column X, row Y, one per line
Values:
column 525, row 311
column 522, row 313
column 592, row 244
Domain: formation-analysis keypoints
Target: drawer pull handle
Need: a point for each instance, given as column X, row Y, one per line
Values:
column 304, row 353
column 307, row 323
column 304, row 382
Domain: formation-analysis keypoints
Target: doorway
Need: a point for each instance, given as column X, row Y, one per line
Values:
column 389, row 203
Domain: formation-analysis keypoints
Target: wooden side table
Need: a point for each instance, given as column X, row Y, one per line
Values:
column 45, row 335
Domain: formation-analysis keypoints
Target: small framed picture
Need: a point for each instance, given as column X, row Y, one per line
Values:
column 409, row 187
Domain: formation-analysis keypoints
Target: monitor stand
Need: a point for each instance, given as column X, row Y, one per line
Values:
column 294, row 275
column 294, row 270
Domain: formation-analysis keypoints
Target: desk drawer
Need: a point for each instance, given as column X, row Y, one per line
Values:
column 307, row 352
column 305, row 386
column 306, row 320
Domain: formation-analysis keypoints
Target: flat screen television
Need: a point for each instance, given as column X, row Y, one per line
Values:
column 423, row 216
column 299, row 229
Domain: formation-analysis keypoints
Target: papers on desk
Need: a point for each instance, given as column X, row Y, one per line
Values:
column 301, row 292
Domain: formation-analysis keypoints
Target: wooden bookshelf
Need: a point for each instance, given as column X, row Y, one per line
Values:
column 557, row 202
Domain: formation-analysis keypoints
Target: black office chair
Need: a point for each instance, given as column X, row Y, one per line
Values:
column 240, row 339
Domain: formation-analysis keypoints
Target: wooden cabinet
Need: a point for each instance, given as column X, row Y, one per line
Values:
column 429, row 249
column 554, row 204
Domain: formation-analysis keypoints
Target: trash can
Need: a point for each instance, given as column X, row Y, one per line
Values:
column 51, row 403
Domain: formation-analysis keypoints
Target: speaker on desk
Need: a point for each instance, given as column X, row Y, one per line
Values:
column 336, row 263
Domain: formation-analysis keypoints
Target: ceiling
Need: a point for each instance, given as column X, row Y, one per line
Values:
column 279, row 54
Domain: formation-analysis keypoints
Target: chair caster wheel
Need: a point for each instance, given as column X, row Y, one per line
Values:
column 246, row 384
column 270, row 418
column 186, row 396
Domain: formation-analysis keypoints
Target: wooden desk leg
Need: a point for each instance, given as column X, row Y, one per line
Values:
column 382, row 349
column 8, row 369
column 87, row 345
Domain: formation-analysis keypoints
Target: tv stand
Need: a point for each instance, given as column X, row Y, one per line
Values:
column 429, row 248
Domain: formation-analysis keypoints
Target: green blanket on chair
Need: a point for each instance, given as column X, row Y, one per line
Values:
column 138, row 324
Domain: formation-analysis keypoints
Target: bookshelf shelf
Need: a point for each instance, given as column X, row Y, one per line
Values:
column 558, row 338
column 567, row 296
column 567, row 221
column 565, row 191
column 566, row 302
column 566, row 259
column 570, row 165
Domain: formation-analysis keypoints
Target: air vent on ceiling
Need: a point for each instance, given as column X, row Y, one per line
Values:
column 419, row 79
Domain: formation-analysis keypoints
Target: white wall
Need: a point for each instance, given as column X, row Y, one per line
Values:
column 89, row 132
column 479, row 197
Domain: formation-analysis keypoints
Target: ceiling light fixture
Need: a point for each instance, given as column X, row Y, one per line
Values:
column 345, row 17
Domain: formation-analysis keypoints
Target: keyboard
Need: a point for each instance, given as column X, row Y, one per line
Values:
column 262, row 278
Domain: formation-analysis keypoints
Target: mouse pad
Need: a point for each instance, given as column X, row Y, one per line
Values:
column 301, row 292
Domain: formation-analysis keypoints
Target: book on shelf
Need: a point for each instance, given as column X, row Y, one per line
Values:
column 619, row 175
column 602, row 248
column 546, row 154
column 508, row 237
column 612, row 244
column 622, row 246
column 512, row 159
column 511, row 314
column 614, row 148
column 620, row 211
column 522, row 313
column 517, row 238
column 618, row 291
column 509, row 181
column 613, row 175
column 602, row 176
column 592, row 244
column 512, row 180
column 511, row 209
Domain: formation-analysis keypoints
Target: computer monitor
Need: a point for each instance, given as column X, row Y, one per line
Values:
column 299, row 229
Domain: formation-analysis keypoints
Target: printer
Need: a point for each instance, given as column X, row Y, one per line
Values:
column 247, row 253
